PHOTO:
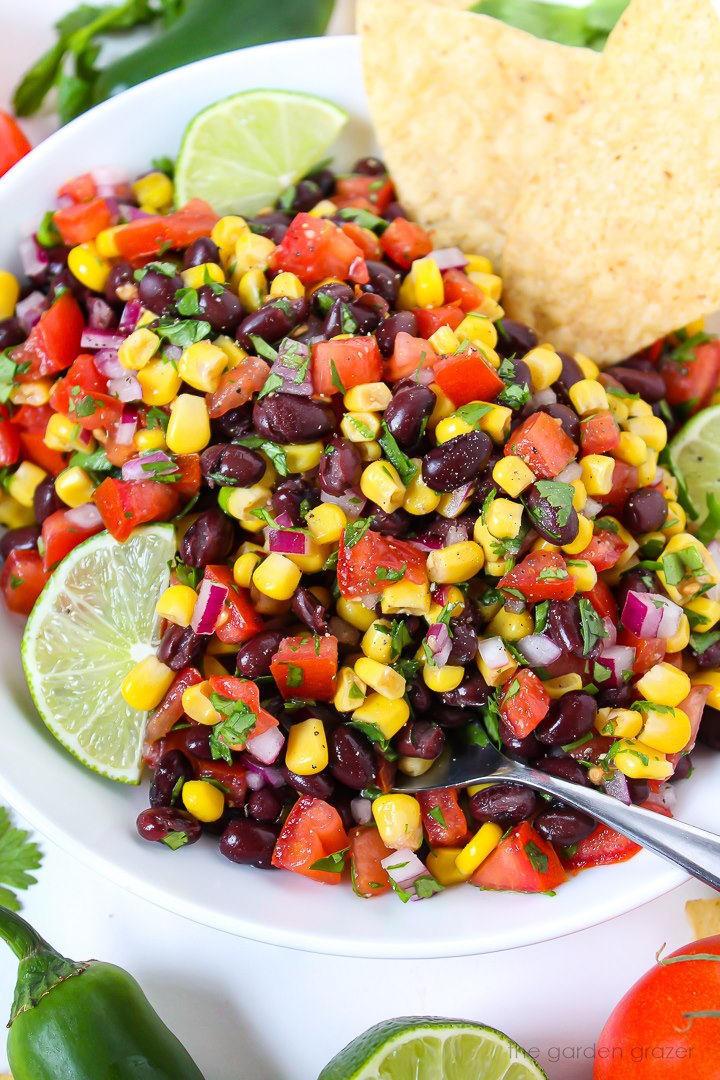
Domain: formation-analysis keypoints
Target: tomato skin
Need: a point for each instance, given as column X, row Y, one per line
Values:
column 465, row 377
column 357, row 565
column 367, row 851
column 125, row 504
column 509, row 866
column 357, row 360
column 313, row 249
column 409, row 354
column 312, row 831
column 237, row 386
column 54, row 341
column 524, row 703
column 13, row 143
column 79, row 189
column 33, row 447
column 230, row 776
column 602, row 599
column 599, row 434
column 543, row 446
column 431, row 319
column 244, row 690
column 691, row 384
column 83, row 221
column 190, row 476
column 366, row 240
column 648, row 651
column 460, row 289
column 146, row 237
column 243, row 622
column 403, row 241
column 9, row 439
column 60, row 536
column 379, row 192
column 624, row 480
column 603, row 847
column 22, row 580
column 446, row 801
column 170, row 708
column 90, row 389
column 526, row 577
column 604, row 550
column 317, row 659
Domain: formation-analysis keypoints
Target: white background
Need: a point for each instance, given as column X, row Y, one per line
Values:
column 254, row 1012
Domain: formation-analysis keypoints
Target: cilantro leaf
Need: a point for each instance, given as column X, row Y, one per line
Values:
column 364, row 218
column 473, row 412
column 187, row 302
column 175, row 840
column 355, row 530
column 182, row 332
column 437, row 815
column 426, row 885
column 333, row 863
column 559, row 496
column 234, row 730
column 538, row 859
column 18, row 856
column 262, row 348
column 711, row 525
column 591, row 626
column 384, row 574
column 336, row 381
column 272, row 449
column 700, row 643
column 406, row 468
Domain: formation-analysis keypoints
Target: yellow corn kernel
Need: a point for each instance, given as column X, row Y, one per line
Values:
column 36, row 392
column 630, row 448
column 203, row 800
column 443, row 407
column 177, row 604
column 562, row 685
column 583, row 538
column 667, row 731
column 252, row 289
column 504, row 518
column 196, row 703
column 443, row 679
column 306, row 752
column 618, row 408
column 496, row 423
column 369, row 451
column 541, row 544
column 619, row 723
column 61, row 434
column 13, row 515
column 405, row 598
column 492, row 310
column 545, row 367
column 149, row 439
column 202, row 365
column 369, row 397
column 160, row 383
column 676, row 520
column 583, row 573
column 326, row 522
column 212, row 666
column 288, row 286
column 454, row 605
column 89, row 268
column 381, row 483
column 252, row 251
column 488, row 542
column 277, row 577
column 681, row 638
column 447, row 509
column 325, row 208
column 580, row 495
column 588, row 367
column 377, row 641
column 512, row 475
column 154, row 191
column 381, row 677
column 22, row 483
column 441, row 864
column 477, row 329
column 427, row 282
column 647, row 471
column 478, row 264
column 664, row 684
column 711, row 679
column 398, row 820
column 651, row 429
column 485, row 840
column 355, row 613
column 597, row 471
column 234, row 353
column 188, row 430
column 227, row 231
column 697, row 326
column 360, row 426
column 706, row 613
column 641, row 762
column 456, row 562
column 146, row 317
column 450, row 428
column 490, row 284
column 350, row 690
column 419, row 498
column 74, row 486
column 693, row 581
column 638, row 407
column 511, row 625
column 106, row 242
column 588, row 396
column 146, row 685
column 9, row 294
column 406, row 299
column 495, row 676
column 138, row 350
column 301, row 457
column 314, row 560
column 414, row 766
column 444, row 340
column 244, row 568
column 387, row 716
column 204, row 274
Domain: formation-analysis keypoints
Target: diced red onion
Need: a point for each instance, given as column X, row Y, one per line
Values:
column 650, row 615
column 208, row 606
column 344, row 632
column 107, row 363
column 538, row 650
column 33, row 256
column 617, row 659
column 493, row 652
column 109, row 176
column 267, row 746
column 288, row 542
column 514, row 605
column 450, row 258
column 714, row 551
column 288, row 372
column 129, row 317
column 126, row 387
column 100, row 315
column 541, row 398
column 592, row 508
column 132, row 213
column 424, row 376
column 571, row 472
column 370, row 600
column 126, row 428
column 441, row 594
column 361, row 810
column 85, row 436
column 30, row 310
column 618, row 787
column 610, row 631
column 135, row 468
column 101, row 339
column 456, row 500
column 352, row 503
column 272, row 777
column 254, row 780
column 173, row 353
column 439, row 643
column 284, row 520
column 404, row 867
column 86, row 516
column 426, row 542
column 112, row 204
column 457, row 534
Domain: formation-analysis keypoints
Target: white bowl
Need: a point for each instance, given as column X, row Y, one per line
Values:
column 94, row 819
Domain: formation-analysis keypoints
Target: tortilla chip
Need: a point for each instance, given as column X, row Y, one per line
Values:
column 464, row 108
column 614, row 240
column 704, row 917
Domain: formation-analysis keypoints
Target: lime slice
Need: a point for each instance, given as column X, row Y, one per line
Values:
column 94, row 620
column 240, row 153
column 695, row 453
column 425, row 1048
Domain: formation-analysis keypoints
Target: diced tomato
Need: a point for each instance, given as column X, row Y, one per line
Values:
column 602, row 599
column 13, row 143
column 602, row 847
column 32, row 417
column 378, row 190
column 358, row 203
column 170, row 708
column 230, row 776
column 83, row 221
column 82, row 396
column 403, row 241
column 117, row 450
column 54, row 341
column 357, row 565
column 190, row 476
column 460, row 289
column 34, row 449
column 693, row 706
column 247, row 691
column 365, row 239
column 431, row 319
column 243, row 621
column 237, row 386
column 22, row 580
column 604, row 550
column 9, row 439
column 356, row 360
column 442, row 817
column 624, row 480
column 386, row 770
column 125, row 504
column 314, row 248
column 524, row 702
column 409, row 354
column 648, row 651
column 523, row 862
column 79, row 189
column 543, row 445
column 369, row 876
column 60, row 536
column 465, row 377
column 542, row 575
column 599, row 434
column 146, row 237
column 313, row 831
column 306, row 667
column 691, row 383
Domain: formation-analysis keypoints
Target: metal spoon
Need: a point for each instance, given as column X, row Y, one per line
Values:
column 695, row 850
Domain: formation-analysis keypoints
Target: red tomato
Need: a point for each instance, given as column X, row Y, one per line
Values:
column 691, row 382
column 190, row 476
column 648, row 651
column 523, row 862
column 693, row 706
column 465, row 377
column 32, row 417
column 431, row 319
column 9, row 439
column 83, row 221
column 601, row 848
column 237, row 386
column 146, row 237
column 366, row 240
column 369, row 877
column 54, row 341
column 306, row 667
column 243, row 622
column 624, row 480
column 665, row 1028
column 82, row 396
column 403, row 241
column 602, row 599
column 13, row 144
column 442, row 817
column 599, row 434
column 247, row 691
column 34, row 448
column 314, row 248
column 356, row 360
column 313, row 831
column 524, row 703
column 540, row 577
column 543, row 445
column 357, row 565
column 22, row 580
column 378, row 190
column 460, row 289
column 170, row 708
column 604, row 550
column 409, row 354
column 125, row 504
column 60, row 536
column 230, row 776
column 79, row 189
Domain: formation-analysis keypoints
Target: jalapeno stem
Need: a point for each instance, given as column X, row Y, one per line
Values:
column 41, row 967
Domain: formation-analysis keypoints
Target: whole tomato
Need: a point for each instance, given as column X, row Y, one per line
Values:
column 667, row 1027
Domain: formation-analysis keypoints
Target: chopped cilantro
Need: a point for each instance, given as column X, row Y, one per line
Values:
column 167, row 269
column 272, row 383
column 591, row 626
column 295, row 675
column 426, row 886
column 355, row 530
column 332, row 864
column 437, row 815
column 262, row 348
column 48, row 234
column 541, row 616
column 336, row 380
column 711, row 525
column 182, row 332
column 273, row 450
column 538, row 858
column 363, row 218
column 234, row 730
column 560, row 496
column 186, row 301
column 406, row 468
column 384, row 574
column 681, row 564
column 175, row 840
column 473, row 412
column 700, row 643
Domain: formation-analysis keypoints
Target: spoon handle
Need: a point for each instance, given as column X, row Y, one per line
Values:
column 695, row 850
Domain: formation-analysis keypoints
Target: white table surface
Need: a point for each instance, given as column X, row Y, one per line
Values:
column 255, row 1012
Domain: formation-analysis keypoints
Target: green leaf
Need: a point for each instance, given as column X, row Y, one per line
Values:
column 263, row 349
column 336, row 380
column 473, row 412
column 426, row 886
column 234, row 730
column 272, row 383
column 182, row 332
column 273, row 450
column 700, row 643
column 73, row 97
column 437, row 815
column 355, row 530
column 711, row 525
column 591, row 626
column 684, row 353
column 384, row 574
column 18, row 856
column 295, row 675
column 186, row 301
column 175, row 840
column 406, row 468
column 541, row 616
column 559, row 496
column 364, row 218
column 47, row 234
column 332, row 864
column 587, row 26
column 538, row 858
column 38, row 80
column 157, row 418
column 681, row 564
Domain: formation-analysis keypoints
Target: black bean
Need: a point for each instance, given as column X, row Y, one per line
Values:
column 201, row 251
column 528, row 747
column 230, row 465
column 645, row 510
column 473, row 692
column 289, row 418
column 64, row 282
column 210, row 539
column 407, row 414
column 384, row 281
column 710, row 658
column 171, row 767
column 636, row 581
column 271, row 322
column 639, row 790
column 220, row 307
column 456, row 462
column 441, row 527
column 395, row 210
column 306, row 606
column 564, row 625
column 563, row 826
column 616, row 697
column 571, row 372
column 159, row 821
column 683, row 769
column 156, row 291
column 449, row 716
column 570, row 717
column 181, row 648
column 250, row 843
column 515, row 338
column 419, row 696
column 197, row 741
column 401, row 322
column 648, row 384
column 319, row 786
column 564, row 767
column 369, row 166
column 351, row 758
column 556, row 524
column 324, row 297
column 11, row 333
column 325, row 180
column 709, row 733
column 367, row 311
column 121, row 275
column 464, row 643
column 420, row 739
column 396, row 524
column 254, row 657
column 22, row 539
column 306, row 195
column 505, row 804
column 569, row 420
column 288, row 498
column 234, row 424
column 266, row 805
column 340, row 466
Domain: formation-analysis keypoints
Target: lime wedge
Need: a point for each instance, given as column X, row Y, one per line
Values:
column 695, row 453
column 94, row 620
column 425, row 1048
column 240, row 153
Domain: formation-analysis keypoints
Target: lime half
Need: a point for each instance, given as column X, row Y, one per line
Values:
column 94, row 620
column 240, row 153
column 695, row 452
column 425, row 1048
